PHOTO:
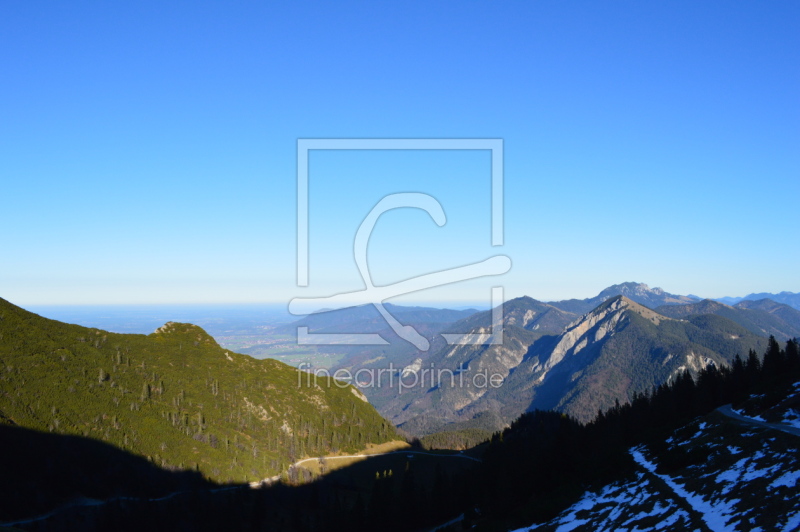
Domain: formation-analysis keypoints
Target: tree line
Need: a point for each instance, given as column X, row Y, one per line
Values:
column 546, row 460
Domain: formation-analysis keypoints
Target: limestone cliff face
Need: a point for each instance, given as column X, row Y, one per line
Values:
column 606, row 355
column 455, row 378
column 520, row 355
column 593, row 328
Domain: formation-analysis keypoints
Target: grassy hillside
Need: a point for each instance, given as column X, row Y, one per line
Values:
column 175, row 397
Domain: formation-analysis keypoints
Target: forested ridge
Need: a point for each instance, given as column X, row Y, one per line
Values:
column 175, row 397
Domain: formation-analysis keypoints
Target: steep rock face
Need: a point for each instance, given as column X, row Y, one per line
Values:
column 427, row 410
column 454, row 380
column 524, row 320
column 523, row 313
column 619, row 348
column 593, row 327
column 552, row 357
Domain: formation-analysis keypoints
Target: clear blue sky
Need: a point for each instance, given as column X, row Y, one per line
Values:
column 147, row 149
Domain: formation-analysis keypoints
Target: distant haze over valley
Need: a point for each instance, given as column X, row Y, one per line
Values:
column 228, row 319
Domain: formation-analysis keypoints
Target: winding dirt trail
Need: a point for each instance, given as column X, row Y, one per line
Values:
column 728, row 411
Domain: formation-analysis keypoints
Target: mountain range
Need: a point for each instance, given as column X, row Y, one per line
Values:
column 763, row 317
column 367, row 319
column 532, row 315
column 606, row 356
column 638, row 292
column 576, row 356
column 787, row 298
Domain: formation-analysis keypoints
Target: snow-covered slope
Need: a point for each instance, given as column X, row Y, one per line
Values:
column 717, row 473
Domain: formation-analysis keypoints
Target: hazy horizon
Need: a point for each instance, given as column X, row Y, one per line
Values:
column 283, row 305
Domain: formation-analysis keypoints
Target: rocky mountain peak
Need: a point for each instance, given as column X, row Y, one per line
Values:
column 643, row 294
column 632, row 289
column 621, row 303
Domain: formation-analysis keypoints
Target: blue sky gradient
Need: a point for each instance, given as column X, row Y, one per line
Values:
column 148, row 152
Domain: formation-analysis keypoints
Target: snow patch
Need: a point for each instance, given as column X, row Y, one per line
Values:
column 791, row 417
column 788, row 480
column 715, row 516
column 757, row 418
column 793, row 523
